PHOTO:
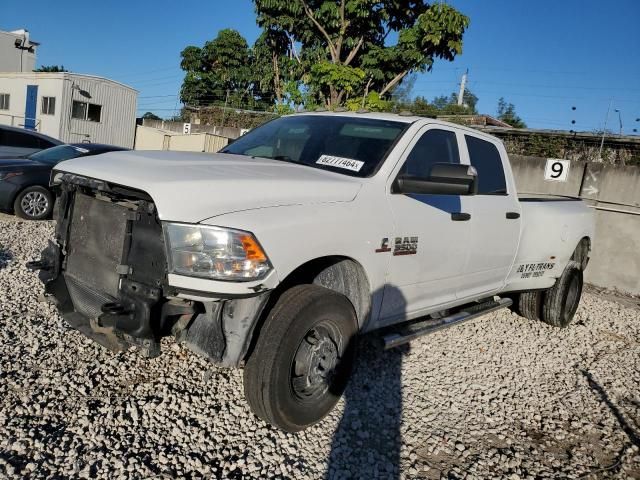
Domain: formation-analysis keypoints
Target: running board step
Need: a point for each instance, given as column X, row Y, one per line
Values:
column 418, row 329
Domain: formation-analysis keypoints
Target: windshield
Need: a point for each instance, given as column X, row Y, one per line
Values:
column 57, row 154
column 352, row 146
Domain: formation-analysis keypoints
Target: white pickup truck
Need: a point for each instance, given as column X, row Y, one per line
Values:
column 277, row 252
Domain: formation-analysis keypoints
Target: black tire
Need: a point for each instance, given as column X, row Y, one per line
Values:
column 33, row 203
column 581, row 253
column 561, row 301
column 530, row 304
column 311, row 324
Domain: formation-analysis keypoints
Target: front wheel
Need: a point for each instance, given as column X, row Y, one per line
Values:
column 303, row 358
column 33, row 203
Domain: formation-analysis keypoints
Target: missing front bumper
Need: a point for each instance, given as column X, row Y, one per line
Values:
column 106, row 269
column 116, row 323
column 106, row 273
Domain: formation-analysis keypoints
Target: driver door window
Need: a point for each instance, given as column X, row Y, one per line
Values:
column 435, row 146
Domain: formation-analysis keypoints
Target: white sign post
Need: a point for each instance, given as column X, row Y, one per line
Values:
column 186, row 128
column 557, row 170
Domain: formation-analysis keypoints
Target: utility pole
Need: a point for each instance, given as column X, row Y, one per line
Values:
column 463, row 84
column 604, row 130
column 619, row 119
column 224, row 110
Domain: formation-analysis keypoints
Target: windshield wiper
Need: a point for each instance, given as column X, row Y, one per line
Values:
column 284, row 158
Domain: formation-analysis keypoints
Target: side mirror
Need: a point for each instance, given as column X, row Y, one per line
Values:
column 444, row 179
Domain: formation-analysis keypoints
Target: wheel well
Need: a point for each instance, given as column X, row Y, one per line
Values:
column 341, row 274
column 582, row 252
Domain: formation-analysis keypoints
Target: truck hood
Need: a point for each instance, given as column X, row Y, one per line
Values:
column 192, row 187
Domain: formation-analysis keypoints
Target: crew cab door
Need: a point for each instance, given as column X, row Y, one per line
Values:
column 428, row 249
column 495, row 219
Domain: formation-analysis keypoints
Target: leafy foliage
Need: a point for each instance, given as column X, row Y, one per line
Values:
column 151, row 116
column 323, row 53
column 233, row 118
column 441, row 105
column 344, row 44
column 51, row 68
column 507, row 113
column 223, row 72
column 372, row 102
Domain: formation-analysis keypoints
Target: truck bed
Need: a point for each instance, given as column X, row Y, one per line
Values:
column 552, row 226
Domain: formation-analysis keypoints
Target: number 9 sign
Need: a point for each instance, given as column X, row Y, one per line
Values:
column 557, row 170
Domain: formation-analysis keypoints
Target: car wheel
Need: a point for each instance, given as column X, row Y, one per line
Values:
column 33, row 203
column 561, row 301
column 303, row 357
column 530, row 304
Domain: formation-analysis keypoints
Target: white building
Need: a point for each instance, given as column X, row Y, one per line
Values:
column 17, row 51
column 69, row 106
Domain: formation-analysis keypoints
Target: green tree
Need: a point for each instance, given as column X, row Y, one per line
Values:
column 151, row 116
column 51, row 68
column 507, row 113
column 276, row 66
column 344, row 47
column 441, row 105
column 220, row 72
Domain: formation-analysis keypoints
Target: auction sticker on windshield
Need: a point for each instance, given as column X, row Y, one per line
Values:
column 340, row 162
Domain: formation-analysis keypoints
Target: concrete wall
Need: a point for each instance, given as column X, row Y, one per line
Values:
column 614, row 194
column 529, row 175
column 228, row 132
column 148, row 138
column 151, row 139
column 615, row 254
column 612, row 184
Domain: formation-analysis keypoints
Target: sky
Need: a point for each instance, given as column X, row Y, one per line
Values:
column 546, row 57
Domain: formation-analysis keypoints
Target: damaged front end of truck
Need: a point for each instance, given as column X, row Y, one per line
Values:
column 106, row 271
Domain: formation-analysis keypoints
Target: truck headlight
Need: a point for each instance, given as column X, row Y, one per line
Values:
column 214, row 252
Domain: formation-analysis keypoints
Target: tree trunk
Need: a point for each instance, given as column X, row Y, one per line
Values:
column 276, row 79
column 393, row 82
column 334, row 97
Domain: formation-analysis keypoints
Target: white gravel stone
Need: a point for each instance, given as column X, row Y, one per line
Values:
column 499, row 397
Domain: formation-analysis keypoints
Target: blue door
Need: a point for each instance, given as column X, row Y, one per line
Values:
column 30, row 107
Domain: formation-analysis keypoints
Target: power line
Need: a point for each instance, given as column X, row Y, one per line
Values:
column 145, row 72
column 158, row 96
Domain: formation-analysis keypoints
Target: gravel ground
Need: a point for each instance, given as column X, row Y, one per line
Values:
column 499, row 397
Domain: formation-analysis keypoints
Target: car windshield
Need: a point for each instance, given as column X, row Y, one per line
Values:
column 57, row 154
column 348, row 145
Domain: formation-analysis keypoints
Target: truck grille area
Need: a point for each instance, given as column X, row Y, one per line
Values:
column 85, row 299
column 107, row 268
column 96, row 242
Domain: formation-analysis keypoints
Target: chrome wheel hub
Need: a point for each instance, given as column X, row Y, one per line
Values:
column 34, row 204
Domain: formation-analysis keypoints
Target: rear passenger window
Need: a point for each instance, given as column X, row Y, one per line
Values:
column 435, row 146
column 485, row 157
column 46, row 143
column 19, row 139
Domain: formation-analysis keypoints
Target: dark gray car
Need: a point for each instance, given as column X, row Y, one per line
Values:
column 24, row 181
column 17, row 142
